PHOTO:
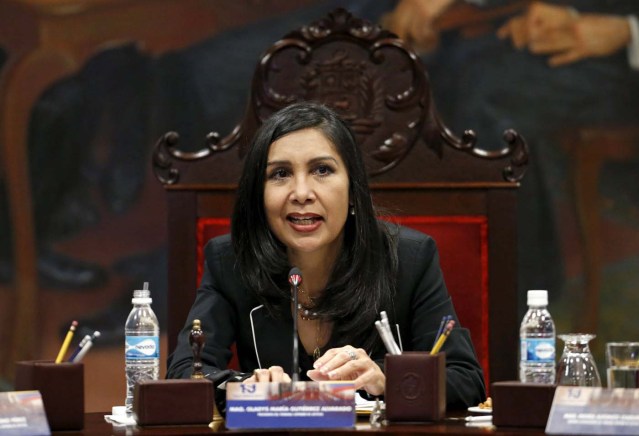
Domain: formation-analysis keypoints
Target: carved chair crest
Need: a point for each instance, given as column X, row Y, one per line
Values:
column 369, row 77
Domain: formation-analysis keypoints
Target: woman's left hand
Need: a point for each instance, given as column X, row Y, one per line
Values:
column 349, row 363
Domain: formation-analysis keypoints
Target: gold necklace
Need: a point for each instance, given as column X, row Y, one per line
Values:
column 311, row 300
column 307, row 314
column 306, row 311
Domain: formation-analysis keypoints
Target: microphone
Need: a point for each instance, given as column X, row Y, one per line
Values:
column 295, row 276
column 295, row 279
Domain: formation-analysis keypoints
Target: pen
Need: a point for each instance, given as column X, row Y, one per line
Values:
column 85, row 349
column 383, row 316
column 67, row 341
column 442, row 338
column 384, row 321
column 382, row 335
column 389, row 333
column 79, row 347
column 399, row 338
column 388, row 343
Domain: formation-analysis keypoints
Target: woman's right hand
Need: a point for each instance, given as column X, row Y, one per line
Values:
column 272, row 374
column 350, row 363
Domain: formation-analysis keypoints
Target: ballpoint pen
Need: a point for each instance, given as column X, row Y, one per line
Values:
column 79, row 347
column 389, row 333
column 388, row 342
column 399, row 338
column 87, row 346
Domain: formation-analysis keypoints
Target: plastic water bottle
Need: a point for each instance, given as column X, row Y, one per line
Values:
column 142, row 343
column 537, row 341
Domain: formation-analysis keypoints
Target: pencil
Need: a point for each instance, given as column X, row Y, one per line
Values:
column 67, row 341
column 440, row 330
column 442, row 338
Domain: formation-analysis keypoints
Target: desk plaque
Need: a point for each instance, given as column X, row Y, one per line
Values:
column 290, row 405
column 22, row 413
column 598, row 411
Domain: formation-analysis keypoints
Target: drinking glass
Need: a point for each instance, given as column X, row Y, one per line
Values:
column 622, row 364
column 577, row 366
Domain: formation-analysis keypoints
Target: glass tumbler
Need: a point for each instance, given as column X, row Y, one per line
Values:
column 622, row 364
column 577, row 366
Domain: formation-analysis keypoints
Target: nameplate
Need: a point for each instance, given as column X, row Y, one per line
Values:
column 290, row 405
column 22, row 413
column 580, row 410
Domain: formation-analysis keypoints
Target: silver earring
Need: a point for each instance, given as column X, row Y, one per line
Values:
column 352, row 210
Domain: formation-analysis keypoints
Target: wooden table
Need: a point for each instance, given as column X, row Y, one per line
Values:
column 95, row 424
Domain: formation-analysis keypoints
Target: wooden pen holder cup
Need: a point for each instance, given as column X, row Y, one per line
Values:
column 62, row 388
column 415, row 387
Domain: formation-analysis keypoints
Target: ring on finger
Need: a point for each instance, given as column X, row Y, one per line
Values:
column 351, row 354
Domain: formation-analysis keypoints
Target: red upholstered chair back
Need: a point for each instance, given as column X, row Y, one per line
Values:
column 428, row 178
column 465, row 270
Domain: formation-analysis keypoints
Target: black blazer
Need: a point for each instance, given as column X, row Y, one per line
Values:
column 231, row 313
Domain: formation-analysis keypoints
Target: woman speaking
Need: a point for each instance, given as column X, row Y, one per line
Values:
column 303, row 201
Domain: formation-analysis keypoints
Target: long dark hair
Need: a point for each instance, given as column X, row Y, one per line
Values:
column 363, row 279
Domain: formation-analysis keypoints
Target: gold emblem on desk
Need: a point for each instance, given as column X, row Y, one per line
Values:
column 196, row 341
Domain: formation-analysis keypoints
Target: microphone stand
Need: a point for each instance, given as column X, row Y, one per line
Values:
column 296, row 355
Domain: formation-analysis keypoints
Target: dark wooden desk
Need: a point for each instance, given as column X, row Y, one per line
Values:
column 95, row 424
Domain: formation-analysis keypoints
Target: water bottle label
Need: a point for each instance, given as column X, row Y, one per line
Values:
column 538, row 350
column 142, row 347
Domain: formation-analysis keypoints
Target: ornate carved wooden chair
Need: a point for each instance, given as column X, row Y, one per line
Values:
column 428, row 177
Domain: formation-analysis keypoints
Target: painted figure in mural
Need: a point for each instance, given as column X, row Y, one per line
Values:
column 553, row 67
column 104, row 102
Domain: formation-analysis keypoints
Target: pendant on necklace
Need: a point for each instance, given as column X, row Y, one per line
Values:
column 306, row 314
column 316, row 353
